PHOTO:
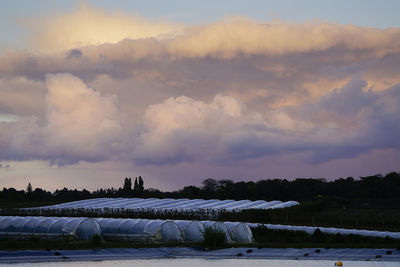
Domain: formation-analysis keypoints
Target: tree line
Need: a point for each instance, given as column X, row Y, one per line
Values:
column 370, row 191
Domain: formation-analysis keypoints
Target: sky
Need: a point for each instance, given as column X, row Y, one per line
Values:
column 180, row 91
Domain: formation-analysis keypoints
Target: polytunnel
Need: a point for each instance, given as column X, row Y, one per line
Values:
column 49, row 228
column 139, row 230
column 218, row 226
column 239, row 232
column 169, row 204
column 192, row 231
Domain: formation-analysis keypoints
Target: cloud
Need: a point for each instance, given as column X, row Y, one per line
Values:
column 183, row 128
column 267, row 66
column 74, row 53
column 222, row 93
column 121, row 36
column 243, row 38
column 80, row 124
column 92, row 26
column 342, row 124
column 237, row 37
column 20, row 96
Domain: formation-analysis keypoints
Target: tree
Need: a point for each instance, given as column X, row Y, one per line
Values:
column 136, row 186
column 141, row 185
column 209, row 187
column 224, row 189
column 29, row 189
column 190, row 191
column 127, row 188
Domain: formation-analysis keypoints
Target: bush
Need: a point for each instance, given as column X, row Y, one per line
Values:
column 34, row 239
column 338, row 238
column 213, row 238
column 96, row 239
column 262, row 234
column 318, row 236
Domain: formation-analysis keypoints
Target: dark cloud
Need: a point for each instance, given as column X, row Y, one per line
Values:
column 74, row 54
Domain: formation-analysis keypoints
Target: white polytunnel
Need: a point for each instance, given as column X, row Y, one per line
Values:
column 240, row 232
column 139, row 230
column 169, row 204
column 219, row 226
column 111, row 229
column 163, row 231
column 48, row 228
column 192, row 231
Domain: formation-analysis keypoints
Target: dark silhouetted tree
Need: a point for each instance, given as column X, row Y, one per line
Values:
column 136, row 186
column 140, row 185
column 29, row 189
column 209, row 187
column 127, row 188
column 190, row 191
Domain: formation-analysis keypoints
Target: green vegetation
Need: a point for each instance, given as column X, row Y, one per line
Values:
column 265, row 237
column 34, row 239
column 96, row 240
column 213, row 238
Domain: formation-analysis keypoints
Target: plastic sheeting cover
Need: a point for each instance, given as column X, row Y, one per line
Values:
column 192, row 231
column 140, row 230
column 169, row 204
column 240, row 232
column 48, row 227
column 220, row 226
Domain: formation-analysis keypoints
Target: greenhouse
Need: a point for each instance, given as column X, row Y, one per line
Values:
column 169, row 204
column 192, row 231
column 48, row 228
column 132, row 230
column 139, row 230
column 239, row 232
column 219, row 226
